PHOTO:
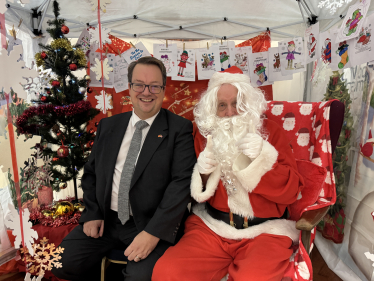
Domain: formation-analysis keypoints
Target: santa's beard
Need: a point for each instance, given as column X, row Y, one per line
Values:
column 227, row 131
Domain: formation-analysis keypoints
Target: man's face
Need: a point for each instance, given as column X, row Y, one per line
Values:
column 146, row 104
column 226, row 100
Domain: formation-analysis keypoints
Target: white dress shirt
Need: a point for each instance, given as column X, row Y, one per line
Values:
column 121, row 158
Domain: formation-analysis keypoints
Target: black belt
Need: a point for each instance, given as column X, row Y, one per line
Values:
column 237, row 221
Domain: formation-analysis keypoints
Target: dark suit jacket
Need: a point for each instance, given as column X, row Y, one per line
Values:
column 160, row 186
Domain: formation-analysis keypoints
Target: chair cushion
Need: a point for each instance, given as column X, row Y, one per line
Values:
column 116, row 254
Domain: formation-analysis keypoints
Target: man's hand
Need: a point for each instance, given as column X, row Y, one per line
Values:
column 250, row 145
column 94, row 229
column 207, row 163
column 142, row 245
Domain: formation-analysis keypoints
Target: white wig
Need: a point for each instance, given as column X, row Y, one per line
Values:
column 251, row 103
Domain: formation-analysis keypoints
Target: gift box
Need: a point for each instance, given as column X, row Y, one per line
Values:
column 45, row 195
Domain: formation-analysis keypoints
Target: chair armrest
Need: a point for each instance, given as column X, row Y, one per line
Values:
column 310, row 219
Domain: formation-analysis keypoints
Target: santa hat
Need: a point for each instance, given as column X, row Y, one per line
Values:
column 288, row 115
column 291, row 43
column 327, row 168
column 328, row 40
column 228, row 76
column 185, row 53
column 315, row 155
column 318, row 123
column 302, row 131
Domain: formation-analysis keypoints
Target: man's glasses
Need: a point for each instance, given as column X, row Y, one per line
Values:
column 139, row 88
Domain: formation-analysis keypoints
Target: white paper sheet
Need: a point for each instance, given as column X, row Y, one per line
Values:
column 207, row 62
column 168, row 56
column 292, row 56
column 186, row 65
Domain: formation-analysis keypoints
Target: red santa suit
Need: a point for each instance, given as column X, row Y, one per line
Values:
column 211, row 248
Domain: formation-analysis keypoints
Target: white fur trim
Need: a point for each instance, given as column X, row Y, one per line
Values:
column 197, row 184
column 219, row 78
column 248, row 172
column 276, row 227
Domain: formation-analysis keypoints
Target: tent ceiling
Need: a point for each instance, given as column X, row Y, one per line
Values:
column 175, row 13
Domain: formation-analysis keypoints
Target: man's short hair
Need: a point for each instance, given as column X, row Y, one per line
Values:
column 147, row 61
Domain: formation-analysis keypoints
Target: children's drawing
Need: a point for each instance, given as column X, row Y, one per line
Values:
column 292, row 56
column 343, row 53
column 311, row 39
column 260, row 72
column 362, row 46
column 207, row 62
column 186, row 65
column 239, row 57
column 326, row 50
column 259, row 62
column 168, row 56
column 277, row 62
column 224, row 59
column 274, row 70
column 351, row 24
column 311, row 45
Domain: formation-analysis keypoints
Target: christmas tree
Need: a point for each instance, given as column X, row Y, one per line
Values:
column 62, row 114
column 336, row 89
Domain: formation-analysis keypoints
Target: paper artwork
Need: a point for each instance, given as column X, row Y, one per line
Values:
column 84, row 40
column 12, row 75
column 103, row 4
column 311, row 39
column 239, row 57
column 12, row 221
column 95, row 36
column 341, row 54
column 352, row 23
column 120, row 74
column 168, row 56
column 292, row 56
column 259, row 69
column 363, row 44
column 225, row 54
column 134, row 54
column 185, row 65
column 108, row 66
column 208, row 62
column 274, row 71
column 325, row 46
column 104, row 103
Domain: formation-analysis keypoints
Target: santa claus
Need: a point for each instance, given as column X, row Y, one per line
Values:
column 303, row 137
column 277, row 108
column 312, row 45
column 289, row 121
column 243, row 181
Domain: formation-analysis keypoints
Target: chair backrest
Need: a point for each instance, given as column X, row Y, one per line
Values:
column 307, row 127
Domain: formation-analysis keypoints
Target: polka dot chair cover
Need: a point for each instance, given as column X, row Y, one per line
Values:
column 306, row 125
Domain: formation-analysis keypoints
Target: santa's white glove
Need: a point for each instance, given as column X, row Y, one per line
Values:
column 250, row 145
column 207, row 163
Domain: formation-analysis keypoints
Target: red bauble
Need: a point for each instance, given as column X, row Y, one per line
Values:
column 91, row 131
column 96, row 124
column 48, row 92
column 64, row 29
column 89, row 90
column 54, row 159
column 90, row 144
column 43, row 98
column 55, row 83
column 63, row 151
column 73, row 66
column 43, row 55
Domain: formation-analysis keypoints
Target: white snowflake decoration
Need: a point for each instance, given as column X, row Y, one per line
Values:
column 11, row 75
column 332, row 4
column 103, row 4
column 12, row 221
column 369, row 256
column 95, row 35
column 100, row 101
column 97, row 69
column 35, row 86
column 322, row 71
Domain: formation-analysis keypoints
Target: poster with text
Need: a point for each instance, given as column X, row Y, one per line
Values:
column 363, row 44
column 311, row 40
column 275, row 73
column 292, row 56
column 239, row 57
column 134, row 54
column 352, row 22
column 168, row 56
column 259, row 69
column 325, row 45
column 341, row 54
column 185, row 65
column 208, row 62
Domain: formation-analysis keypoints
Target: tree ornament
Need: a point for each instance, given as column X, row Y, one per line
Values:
column 63, row 151
column 73, row 67
column 62, row 185
column 43, row 98
column 49, row 92
column 64, row 29
column 91, row 131
column 54, row 159
column 55, row 83
column 43, row 55
column 63, row 208
column 82, row 90
column 89, row 90
column 59, row 133
column 87, row 77
column 96, row 124
column 90, row 144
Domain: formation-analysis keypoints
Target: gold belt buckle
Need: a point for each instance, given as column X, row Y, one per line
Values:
column 232, row 220
column 245, row 224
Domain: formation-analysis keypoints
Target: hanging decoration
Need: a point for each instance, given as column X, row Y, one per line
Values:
column 104, row 104
column 274, row 69
column 239, row 57
column 185, row 65
column 332, row 4
column 312, row 44
column 103, row 4
column 168, row 55
column 292, row 56
column 105, row 66
column 208, row 62
column 259, row 69
column 95, row 36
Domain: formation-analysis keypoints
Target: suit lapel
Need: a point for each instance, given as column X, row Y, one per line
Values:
column 112, row 146
column 156, row 134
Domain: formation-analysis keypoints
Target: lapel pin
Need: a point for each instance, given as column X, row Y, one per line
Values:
column 160, row 136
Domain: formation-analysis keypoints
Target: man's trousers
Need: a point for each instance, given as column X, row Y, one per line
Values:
column 202, row 255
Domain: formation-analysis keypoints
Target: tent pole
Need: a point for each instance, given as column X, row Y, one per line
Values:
column 18, row 8
column 306, row 4
column 41, row 6
column 94, row 22
column 301, row 11
column 309, row 14
column 45, row 11
column 121, row 32
column 69, row 20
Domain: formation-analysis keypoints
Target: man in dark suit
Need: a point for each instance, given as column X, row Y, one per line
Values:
column 135, row 183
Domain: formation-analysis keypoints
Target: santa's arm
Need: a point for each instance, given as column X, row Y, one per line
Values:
column 273, row 174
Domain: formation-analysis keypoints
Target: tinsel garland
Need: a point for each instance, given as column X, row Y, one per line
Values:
column 81, row 57
column 61, row 43
column 39, row 60
column 68, row 110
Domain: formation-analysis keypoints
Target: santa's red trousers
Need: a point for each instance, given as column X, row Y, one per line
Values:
column 203, row 255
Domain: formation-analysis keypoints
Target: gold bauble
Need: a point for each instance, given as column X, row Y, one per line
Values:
column 64, row 208
column 62, row 185
column 47, row 213
column 79, row 207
